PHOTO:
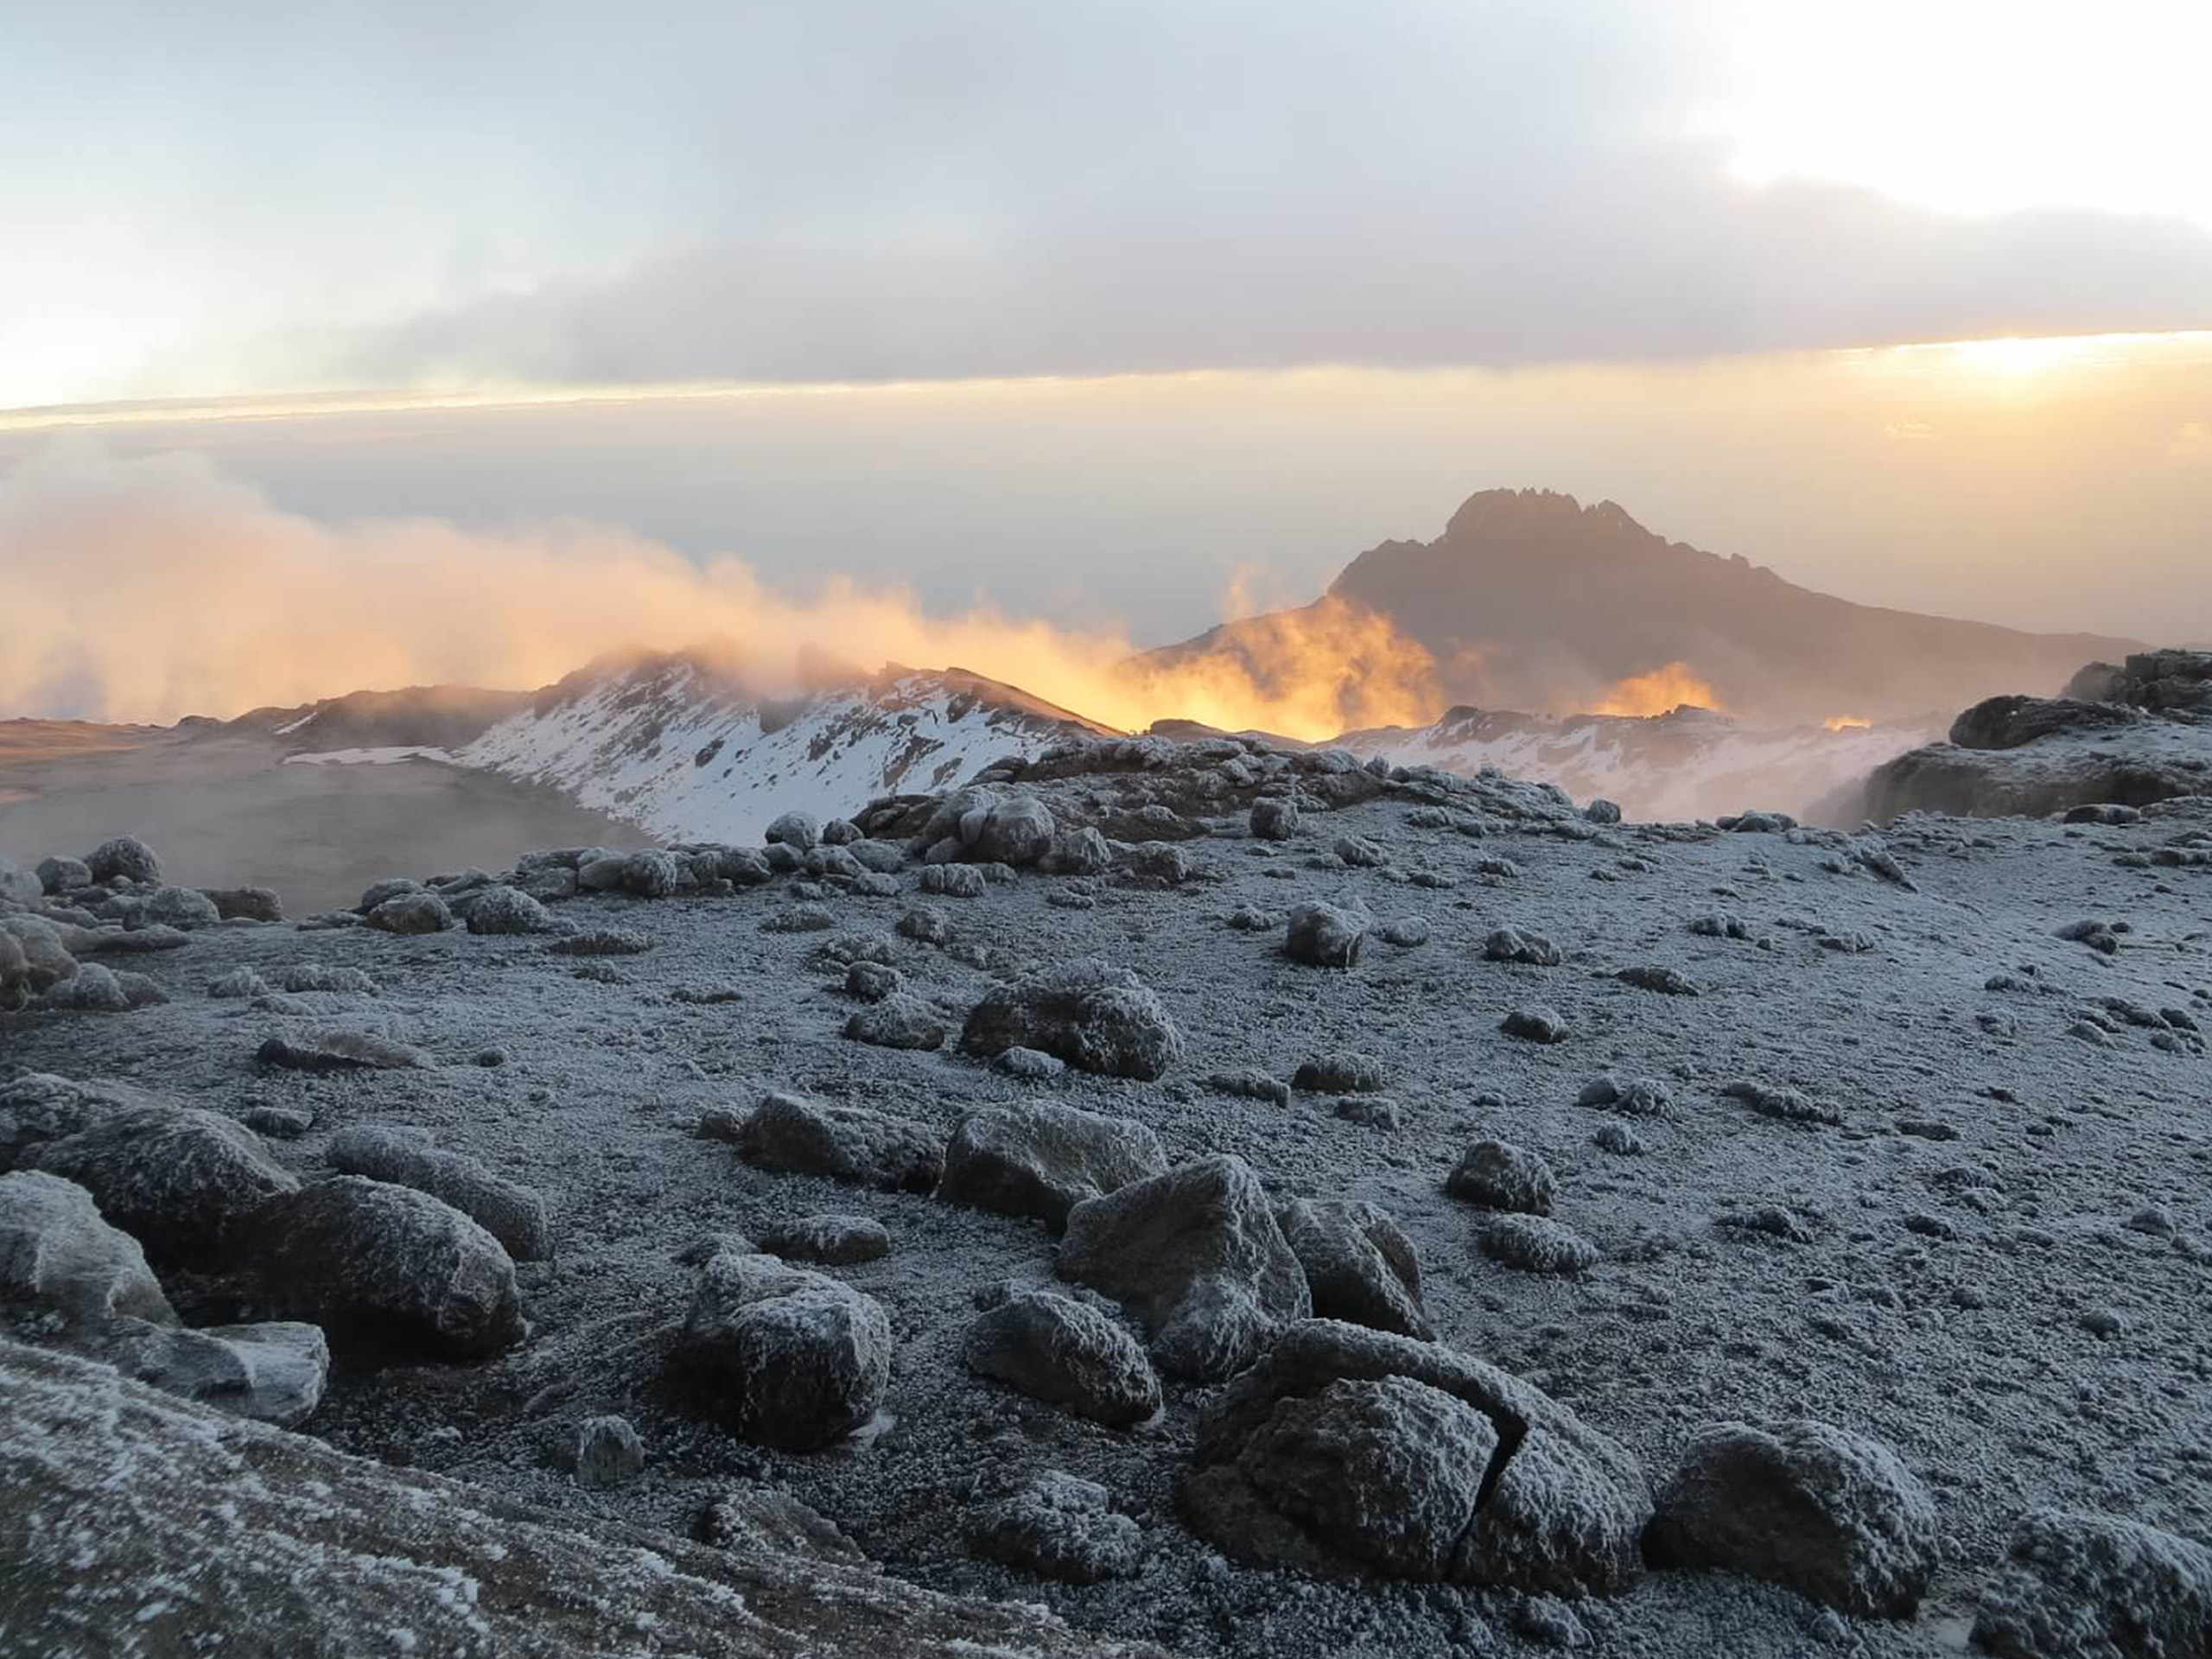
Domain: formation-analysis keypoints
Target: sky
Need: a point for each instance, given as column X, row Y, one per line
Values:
column 1124, row 313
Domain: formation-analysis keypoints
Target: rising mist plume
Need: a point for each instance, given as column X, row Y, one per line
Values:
column 146, row 589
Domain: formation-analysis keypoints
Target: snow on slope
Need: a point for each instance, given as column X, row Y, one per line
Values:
column 1690, row 764
column 686, row 750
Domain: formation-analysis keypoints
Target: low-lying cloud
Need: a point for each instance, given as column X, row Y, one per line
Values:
column 148, row 589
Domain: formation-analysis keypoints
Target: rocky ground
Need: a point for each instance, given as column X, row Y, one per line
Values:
column 1495, row 1228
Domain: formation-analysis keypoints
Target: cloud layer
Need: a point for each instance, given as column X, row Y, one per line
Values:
column 146, row 589
column 869, row 190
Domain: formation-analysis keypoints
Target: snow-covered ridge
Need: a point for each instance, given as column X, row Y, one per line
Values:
column 690, row 753
column 1690, row 764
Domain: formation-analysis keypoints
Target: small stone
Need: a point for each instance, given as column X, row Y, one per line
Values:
column 1511, row 944
column 872, row 981
column 1665, row 981
column 1535, row 1245
column 1339, row 1074
column 1499, row 1175
column 1033, row 1064
column 898, row 1021
column 833, row 1241
column 1323, row 935
column 609, row 1453
column 1535, row 1025
column 1059, row 1527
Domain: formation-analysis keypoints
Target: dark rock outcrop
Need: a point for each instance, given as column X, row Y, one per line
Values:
column 249, row 1518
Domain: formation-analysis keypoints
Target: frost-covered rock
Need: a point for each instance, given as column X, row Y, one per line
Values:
column 513, row 1214
column 181, row 1180
column 1535, row 1245
column 125, row 857
column 1365, row 1480
column 35, row 959
column 68, row 1276
column 897, row 1021
column 1056, row 1349
column 507, row 910
column 790, row 1359
column 1323, row 935
column 1197, row 1257
column 1807, row 1505
column 1040, row 1161
column 1387, row 1469
column 1520, row 945
column 1360, row 1267
column 246, row 1515
column 410, row 913
column 652, row 872
column 1499, row 1175
column 385, row 1268
column 246, row 903
column 798, row 829
column 788, row 1135
column 184, row 908
column 98, row 989
column 1059, row 1527
column 340, row 1048
column 271, row 1373
column 2096, row 1586
column 60, row 1258
column 1095, row 1017
column 60, row 875
column 833, row 1241
column 609, row 1453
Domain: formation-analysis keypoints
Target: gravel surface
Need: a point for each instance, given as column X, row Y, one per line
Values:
column 1963, row 1206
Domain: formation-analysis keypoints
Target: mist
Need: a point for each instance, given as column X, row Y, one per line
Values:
column 147, row 589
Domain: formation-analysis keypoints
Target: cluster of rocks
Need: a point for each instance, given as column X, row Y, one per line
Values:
column 395, row 1252
column 59, row 916
column 2116, row 737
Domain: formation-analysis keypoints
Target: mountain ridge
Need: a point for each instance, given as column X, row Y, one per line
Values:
column 1530, row 600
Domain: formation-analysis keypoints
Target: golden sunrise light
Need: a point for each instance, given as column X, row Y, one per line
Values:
column 1211, row 828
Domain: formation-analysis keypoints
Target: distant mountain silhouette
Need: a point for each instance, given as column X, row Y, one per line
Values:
column 1531, row 601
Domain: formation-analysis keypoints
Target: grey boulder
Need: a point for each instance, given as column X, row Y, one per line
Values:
column 785, row 1135
column 2094, row 1586
column 1806, row 1505
column 780, row 1355
column 1095, row 1017
column 1197, row 1257
column 181, row 1180
column 1360, row 1267
column 1067, row 1353
column 125, row 856
column 384, row 1268
column 513, row 1214
column 1041, row 1160
column 1287, row 1474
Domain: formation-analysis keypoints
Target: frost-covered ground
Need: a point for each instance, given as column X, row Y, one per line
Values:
column 1996, row 1259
